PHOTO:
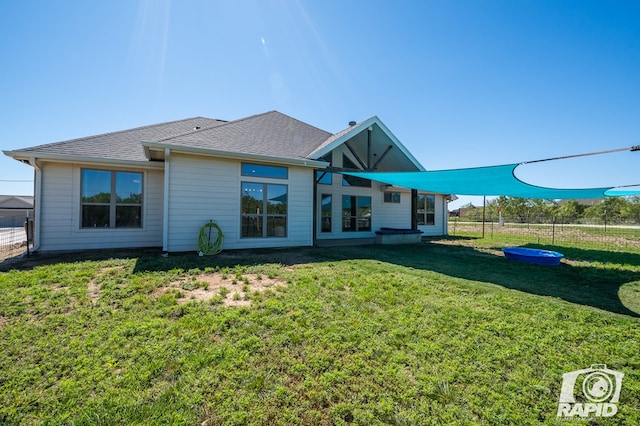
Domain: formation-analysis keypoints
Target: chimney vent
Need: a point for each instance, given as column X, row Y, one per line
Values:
column 352, row 123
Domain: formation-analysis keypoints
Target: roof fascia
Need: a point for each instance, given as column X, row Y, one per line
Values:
column 304, row 162
column 362, row 126
column 24, row 157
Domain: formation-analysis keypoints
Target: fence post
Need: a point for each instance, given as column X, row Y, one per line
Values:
column 484, row 208
column 553, row 230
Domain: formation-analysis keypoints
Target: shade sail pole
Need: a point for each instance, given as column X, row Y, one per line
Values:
column 484, row 209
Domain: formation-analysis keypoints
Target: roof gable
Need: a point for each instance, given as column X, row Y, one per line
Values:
column 387, row 139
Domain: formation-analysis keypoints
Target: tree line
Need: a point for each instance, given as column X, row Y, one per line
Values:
column 609, row 209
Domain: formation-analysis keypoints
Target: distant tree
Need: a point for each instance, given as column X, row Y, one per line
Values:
column 471, row 212
column 570, row 209
column 492, row 209
column 631, row 210
column 516, row 207
column 543, row 209
column 608, row 210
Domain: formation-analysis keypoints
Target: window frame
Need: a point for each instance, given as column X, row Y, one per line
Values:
column 395, row 197
column 427, row 213
column 113, row 203
column 326, row 220
column 355, row 218
column 262, row 171
column 266, row 220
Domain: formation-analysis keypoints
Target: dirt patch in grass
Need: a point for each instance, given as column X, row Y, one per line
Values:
column 228, row 290
column 93, row 291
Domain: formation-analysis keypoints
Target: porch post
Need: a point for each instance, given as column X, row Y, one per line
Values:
column 315, row 208
column 414, row 205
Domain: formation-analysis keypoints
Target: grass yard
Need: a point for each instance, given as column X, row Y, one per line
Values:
column 445, row 332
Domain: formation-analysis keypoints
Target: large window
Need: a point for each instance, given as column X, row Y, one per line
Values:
column 264, row 210
column 356, row 213
column 426, row 209
column 325, row 216
column 111, row 199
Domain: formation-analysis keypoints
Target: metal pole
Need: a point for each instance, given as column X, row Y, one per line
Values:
column 484, row 208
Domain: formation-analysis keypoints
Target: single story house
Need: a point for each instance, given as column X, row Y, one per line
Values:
column 14, row 209
column 267, row 180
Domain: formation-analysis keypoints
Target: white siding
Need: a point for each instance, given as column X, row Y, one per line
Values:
column 60, row 213
column 394, row 215
column 207, row 188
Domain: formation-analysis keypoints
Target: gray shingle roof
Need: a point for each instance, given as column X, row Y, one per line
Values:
column 271, row 134
column 334, row 137
column 122, row 145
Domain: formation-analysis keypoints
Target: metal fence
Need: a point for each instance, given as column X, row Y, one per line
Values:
column 13, row 238
column 577, row 232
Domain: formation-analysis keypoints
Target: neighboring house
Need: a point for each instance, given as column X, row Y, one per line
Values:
column 268, row 180
column 14, row 209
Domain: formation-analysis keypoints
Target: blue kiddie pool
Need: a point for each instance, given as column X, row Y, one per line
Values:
column 530, row 255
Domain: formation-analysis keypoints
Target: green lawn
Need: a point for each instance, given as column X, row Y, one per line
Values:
column 445, row 332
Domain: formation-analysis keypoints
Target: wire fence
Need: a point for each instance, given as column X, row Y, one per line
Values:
column 601, row 234
column 13, row 238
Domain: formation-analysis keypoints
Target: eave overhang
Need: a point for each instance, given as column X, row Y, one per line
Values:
column 159, row 147
column 26, row 156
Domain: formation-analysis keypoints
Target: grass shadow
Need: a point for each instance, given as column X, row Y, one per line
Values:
column 586, row 277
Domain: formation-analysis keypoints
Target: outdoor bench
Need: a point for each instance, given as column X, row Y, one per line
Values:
column 398, row 236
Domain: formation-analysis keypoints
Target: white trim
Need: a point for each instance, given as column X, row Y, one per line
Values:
column 165, row 201
column 105, row 162
column 37, row 204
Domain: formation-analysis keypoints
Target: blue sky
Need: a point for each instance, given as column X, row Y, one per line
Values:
column 460, row 83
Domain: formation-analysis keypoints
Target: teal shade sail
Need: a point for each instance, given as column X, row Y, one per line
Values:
column 490, row 181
